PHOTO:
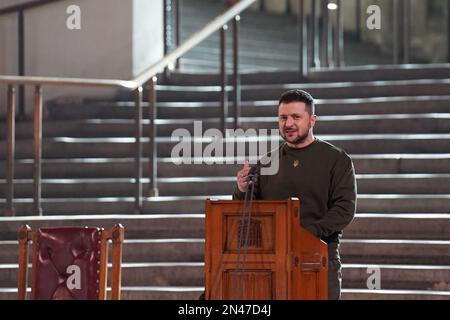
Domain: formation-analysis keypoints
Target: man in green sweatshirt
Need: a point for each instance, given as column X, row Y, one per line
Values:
column 321, row 175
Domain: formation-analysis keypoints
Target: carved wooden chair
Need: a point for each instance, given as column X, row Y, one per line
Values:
column 70, row 263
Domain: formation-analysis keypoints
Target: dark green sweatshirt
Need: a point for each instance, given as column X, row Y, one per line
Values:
column 322, row 176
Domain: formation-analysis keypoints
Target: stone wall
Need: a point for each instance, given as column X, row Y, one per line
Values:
column 117, row 40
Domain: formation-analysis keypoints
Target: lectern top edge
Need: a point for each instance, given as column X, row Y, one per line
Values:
column 213, row 200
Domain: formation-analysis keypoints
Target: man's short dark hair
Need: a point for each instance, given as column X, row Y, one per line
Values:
column 297, row 95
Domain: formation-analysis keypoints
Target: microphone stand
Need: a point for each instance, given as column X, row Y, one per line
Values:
column 245, row 224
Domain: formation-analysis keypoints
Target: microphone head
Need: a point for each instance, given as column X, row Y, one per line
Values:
column 253, row 174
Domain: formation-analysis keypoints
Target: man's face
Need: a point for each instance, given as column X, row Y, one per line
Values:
column 294, row 122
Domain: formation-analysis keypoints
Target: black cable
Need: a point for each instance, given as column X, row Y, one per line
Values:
column 246, row 240
column 241, row 231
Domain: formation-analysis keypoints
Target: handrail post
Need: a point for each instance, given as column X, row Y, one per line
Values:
column 178, row 6
column 10, row 151
column 406, row 29
column 303, row 38
column 448, row 30
column 37, row 149
column 21, row 57
column 358, row 20
column 223, row 79
column 153, row 158
column 395, row 33
column 236, row 76
column 167, row 33
column 339, row 37
column 325, row 34
column 138, row 151
column 313, row 38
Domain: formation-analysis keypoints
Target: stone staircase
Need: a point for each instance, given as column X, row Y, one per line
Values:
column 395, row 123
column 267, row 41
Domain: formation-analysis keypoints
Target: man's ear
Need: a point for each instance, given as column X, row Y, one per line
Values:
column 313, row 120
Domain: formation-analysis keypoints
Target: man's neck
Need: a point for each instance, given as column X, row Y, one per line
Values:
column 309, row 139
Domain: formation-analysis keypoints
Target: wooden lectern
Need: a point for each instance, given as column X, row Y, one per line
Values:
column 278, row 259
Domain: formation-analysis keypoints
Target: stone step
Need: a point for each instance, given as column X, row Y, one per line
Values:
column 124, row 167
column 407, row 183
column 401, row 163
column 357, row 54
column 259, row 54
column 261, row 108
column 362, row 124
column 378, row 203
column 141, row 227
column 192, row 293
column 371, row 226
column 197, row 186
column 268, row 59
column 121, row 147
column 408, row 226
column 389, row 251
column 258, row 32
column 260, row 19
column 273, row 61
column 250, row 33
column 362, row 54
column 403, row 203
column 263, row 34
column 353, row 251
column 267, row 27
column 336, row 90
column 135, row 293
column 136, row 274
column 122, row 187
column 198, row 11
column 161, row 293
column 8, row 293
column 136, row 250
column 250, row 30
column 346, row 74
column 110, row 205
column 10, row 251
column 273, row 54
column 366, row 294
column 163, row 274
column 412, row 277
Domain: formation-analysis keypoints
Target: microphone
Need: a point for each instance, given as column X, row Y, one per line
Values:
column 244, row 231
column 253, row 174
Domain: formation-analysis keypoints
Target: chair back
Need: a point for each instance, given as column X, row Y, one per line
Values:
column 70, row 263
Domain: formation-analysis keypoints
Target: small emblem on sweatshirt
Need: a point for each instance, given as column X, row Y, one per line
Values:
column 296, row 163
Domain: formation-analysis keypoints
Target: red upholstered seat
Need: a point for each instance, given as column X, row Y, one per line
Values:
column 70, row 263
column 67, row 263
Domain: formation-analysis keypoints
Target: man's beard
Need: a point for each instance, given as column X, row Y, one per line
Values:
column 298, row 140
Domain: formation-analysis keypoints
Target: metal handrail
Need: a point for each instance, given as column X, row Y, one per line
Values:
column 71, row 82
column 195, row 39
column 150, row 72
column 136, row 85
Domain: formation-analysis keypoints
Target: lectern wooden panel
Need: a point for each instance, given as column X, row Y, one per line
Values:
column 279, row 260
